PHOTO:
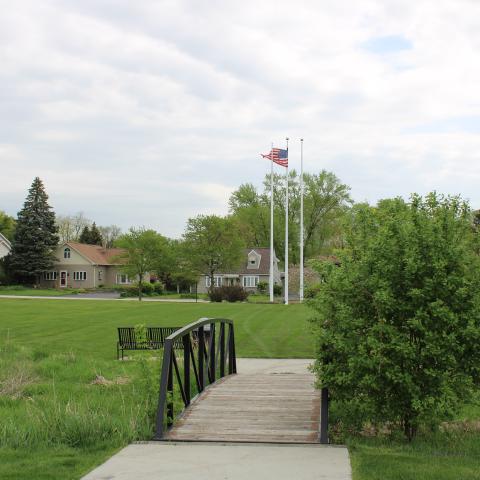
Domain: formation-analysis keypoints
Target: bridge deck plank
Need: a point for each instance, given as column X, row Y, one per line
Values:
column 278, row 407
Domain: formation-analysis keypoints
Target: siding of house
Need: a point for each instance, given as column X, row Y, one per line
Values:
column 260, row 269
column 5, row 246
column 79, row 263
column 4, row 250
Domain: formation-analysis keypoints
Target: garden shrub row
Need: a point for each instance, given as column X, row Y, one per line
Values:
column 234, row 293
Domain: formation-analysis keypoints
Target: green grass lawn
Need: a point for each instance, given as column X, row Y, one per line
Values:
column 56, row 424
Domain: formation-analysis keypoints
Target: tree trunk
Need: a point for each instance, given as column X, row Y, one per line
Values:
column 409, row 428
column 212, row 281
column 140, row 288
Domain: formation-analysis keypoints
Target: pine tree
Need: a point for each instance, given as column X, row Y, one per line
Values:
column 35, row 236
column 85, row 235
column 95, row 235
column 91, row 236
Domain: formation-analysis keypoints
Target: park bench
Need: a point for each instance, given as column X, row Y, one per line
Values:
column 129, row 339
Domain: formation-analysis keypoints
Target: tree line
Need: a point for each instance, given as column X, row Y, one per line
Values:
column 209, row 244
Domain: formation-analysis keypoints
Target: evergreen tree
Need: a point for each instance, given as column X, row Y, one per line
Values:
column 91, row 236
column 95, row 236
column 35, row 236
column 85, row 235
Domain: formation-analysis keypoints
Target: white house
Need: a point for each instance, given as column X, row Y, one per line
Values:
column 5, row 246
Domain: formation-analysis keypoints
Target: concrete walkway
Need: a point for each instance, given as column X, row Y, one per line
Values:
column 215, row 461
column 231, row 461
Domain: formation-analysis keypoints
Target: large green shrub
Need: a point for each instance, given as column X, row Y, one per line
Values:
column 277, row 289
column 233, row 293
column 262, row 287
column 398, row 324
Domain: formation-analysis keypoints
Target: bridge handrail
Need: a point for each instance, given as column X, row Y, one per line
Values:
column 207, row 358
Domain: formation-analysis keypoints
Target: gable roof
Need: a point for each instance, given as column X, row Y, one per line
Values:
column 263, row 268
column 5, row 241
column 97, row 254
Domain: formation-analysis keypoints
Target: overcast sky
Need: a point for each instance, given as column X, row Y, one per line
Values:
column 150, row 112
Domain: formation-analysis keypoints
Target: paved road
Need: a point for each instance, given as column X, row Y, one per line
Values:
column 230, row 461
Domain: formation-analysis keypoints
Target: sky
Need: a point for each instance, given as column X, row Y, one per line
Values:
column 147, row 113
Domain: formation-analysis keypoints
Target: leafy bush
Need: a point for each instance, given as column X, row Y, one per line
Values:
column 215, row 294
column 398, row 321
column 148, row 289
column 277, row 289
column 312, row 290
column 262, row 287
column 234, row 293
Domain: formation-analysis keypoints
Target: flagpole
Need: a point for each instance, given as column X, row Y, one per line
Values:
column 286, row 231
column 271, row 226
column 301, row 220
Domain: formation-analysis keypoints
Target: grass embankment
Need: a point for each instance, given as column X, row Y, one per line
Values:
column 38, row 292
column 54, row 422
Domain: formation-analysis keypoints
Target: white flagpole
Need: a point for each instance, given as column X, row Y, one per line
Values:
column 286, row 232
column 301, row 220
column 271, row 226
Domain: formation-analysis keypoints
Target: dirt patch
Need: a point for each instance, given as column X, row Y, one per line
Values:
column 101, row 380
column 471, row 426
column 14, row 383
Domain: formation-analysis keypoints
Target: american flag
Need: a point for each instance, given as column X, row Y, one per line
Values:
column 279, row 156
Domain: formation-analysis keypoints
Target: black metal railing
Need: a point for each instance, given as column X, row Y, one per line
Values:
column 208, row 350
column 324, row 416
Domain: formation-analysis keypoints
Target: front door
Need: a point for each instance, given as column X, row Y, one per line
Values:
column 63, row 279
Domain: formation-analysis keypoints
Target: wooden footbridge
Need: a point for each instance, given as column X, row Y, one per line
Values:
column 265, row 402
column 266, row 421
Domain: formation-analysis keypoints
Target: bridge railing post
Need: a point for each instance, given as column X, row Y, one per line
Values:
column 324, row 416
column 222, row 349
column 186, row 367
column 201, row 357
column 211, row 354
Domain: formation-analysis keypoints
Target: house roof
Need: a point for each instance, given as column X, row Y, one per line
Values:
column 5, row 241
column 263, row 269
column 97, row 254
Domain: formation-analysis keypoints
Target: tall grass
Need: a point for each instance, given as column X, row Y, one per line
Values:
column 53, row 399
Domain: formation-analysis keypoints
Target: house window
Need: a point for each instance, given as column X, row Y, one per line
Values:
column 100, row 275
column 217, row 281
column 122, row 278
column 79, row 276
column 66, row 253
column 50, row 276
column 250, row 281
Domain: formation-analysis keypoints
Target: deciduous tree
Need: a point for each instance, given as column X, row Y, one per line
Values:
column 213, row 244
column 143, row 253
column 398, row 322
column 7, row 225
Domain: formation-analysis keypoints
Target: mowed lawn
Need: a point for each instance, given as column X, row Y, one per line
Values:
column 90, row 327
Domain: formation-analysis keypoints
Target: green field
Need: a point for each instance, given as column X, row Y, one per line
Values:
column 56, row 424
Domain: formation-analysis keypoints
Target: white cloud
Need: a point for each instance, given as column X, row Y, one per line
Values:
column 152, row 112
